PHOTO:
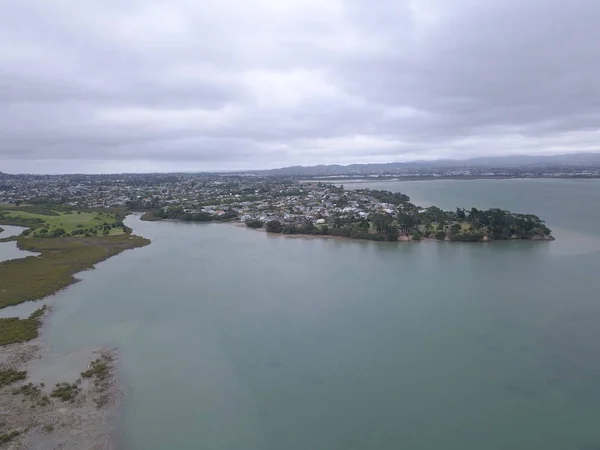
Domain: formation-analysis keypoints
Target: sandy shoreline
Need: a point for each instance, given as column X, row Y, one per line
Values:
column 85, row 422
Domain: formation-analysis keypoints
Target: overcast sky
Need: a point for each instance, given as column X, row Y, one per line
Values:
column 144, row 85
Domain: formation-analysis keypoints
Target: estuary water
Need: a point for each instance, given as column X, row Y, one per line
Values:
column 9, row 250
column 233, row 339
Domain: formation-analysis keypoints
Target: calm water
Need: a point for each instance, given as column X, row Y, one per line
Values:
column 232, row 339
column 9, row 250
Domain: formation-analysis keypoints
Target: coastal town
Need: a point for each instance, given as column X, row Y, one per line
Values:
column 279, row 204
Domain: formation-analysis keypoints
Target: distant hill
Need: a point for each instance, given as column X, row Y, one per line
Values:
column 521, row 161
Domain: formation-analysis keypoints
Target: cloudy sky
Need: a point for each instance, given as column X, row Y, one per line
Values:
column 145, row 85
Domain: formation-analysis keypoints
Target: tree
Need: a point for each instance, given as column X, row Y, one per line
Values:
column 392, row 233
column 254, row 223
column 57, row 232
column 407, row 222
column 381, row 222
column 342, row 202
column 473, row 217
column 364, row 225
column 337, row 221
column 274, row 226
column 308, row 228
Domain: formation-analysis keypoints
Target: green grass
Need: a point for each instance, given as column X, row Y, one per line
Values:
column 90, row 221
column 35, row 277
column 13, row 329
column 11, row 376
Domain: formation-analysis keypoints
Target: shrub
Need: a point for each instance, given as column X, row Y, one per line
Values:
column 65, row 391
column 274, row 226
column 11, row 376
column 467, row 237
column 254, row 223
column 7, row 437
column 98, row 368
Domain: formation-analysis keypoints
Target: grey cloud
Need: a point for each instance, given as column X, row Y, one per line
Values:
column 269, row 83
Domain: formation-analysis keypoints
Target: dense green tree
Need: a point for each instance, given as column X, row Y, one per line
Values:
column 392, row 233
column 417, row 236
column 455, row 228
column 381, row 222
column 364, row 225
column 254, row 223
column 407, row 222
column 308, row 228
column 274, row 226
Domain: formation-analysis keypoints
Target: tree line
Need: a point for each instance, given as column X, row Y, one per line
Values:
column 461, row 225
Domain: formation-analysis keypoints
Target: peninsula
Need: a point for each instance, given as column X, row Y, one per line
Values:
column 286, row 207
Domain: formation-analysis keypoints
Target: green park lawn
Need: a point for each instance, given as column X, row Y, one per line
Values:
column 67, row 220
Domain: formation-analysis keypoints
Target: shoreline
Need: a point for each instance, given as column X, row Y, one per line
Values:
column 401, row 239
column 72, row 255
column 37, row 418
column 440, row 178
column 80, row 413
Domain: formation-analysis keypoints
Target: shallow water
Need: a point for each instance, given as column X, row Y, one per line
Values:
column 235, row 339
column 9, row 250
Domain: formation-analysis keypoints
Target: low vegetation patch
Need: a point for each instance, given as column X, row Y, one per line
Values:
column 7, row 437
column 34, row 393
column 66, row 391
column 35, row 277
column 99, row 371
column 29, row 390
column 13, row 329
column 11, row 376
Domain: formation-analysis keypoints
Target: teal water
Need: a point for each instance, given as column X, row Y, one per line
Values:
column 233, row 339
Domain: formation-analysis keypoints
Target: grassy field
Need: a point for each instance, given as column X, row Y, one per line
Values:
column 35, row 277
column 48, row 221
